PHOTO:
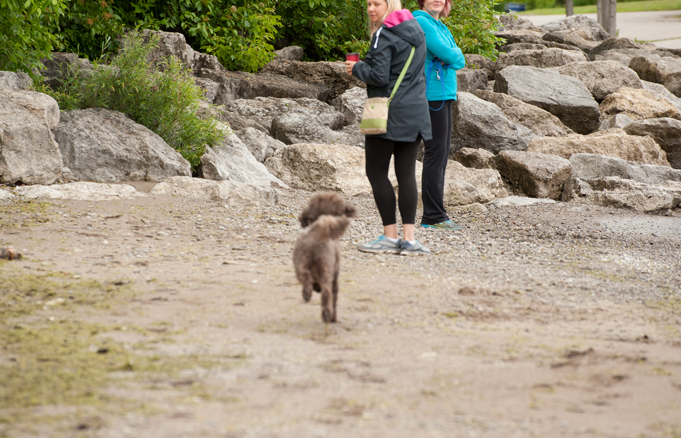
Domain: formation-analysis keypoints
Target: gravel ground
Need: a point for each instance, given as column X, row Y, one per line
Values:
column 545, row 320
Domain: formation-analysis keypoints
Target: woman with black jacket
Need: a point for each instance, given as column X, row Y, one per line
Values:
column 393, row 33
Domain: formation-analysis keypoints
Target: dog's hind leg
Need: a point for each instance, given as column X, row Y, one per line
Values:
column 335, row 297
column 306, row 280
column 328, row 314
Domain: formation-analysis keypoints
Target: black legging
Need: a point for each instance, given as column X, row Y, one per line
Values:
column 435, row 164
column 378, row 153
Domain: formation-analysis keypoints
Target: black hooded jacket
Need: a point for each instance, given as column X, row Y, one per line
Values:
column 408, row 115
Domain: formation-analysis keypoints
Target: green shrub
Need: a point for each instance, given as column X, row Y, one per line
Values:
column 164, row 98
column 25, row 35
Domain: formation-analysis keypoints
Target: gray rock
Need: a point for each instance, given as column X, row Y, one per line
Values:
column 465, row 186
column 638, row 104
column 321, row 167
column 266, row 109
column 539, row 121
column 592, row 166
column 539, row 58
column 563, row 96
column 534, row 174
column 480, row 124
column 302, row 127
column 514, row 36
column 80, row 191
column 481, row 63
column 602, row 77
column 623, row 56
column 625, row 193
column 475, row 158
column 614, row 43
column 469, row 80
column 210, row 88
column 234, row 193
column 578, row 22
column 660, row 91
column 580, row 38
column 328, row 74
column 290, row 53
column 616, row 121
column 613, row 143
column 351, row 104
column 663, row 70
column 512, row 21
column 15, row 81
column 6, row 195
column 507, row 48
column 519, row 201
column 98, row 144
column 61, row 66
column 261, row 145
column 28, row 151
column 232, row 161
column 665, row 131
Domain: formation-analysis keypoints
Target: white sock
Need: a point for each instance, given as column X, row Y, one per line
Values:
column 392, row 240
column 411, row 242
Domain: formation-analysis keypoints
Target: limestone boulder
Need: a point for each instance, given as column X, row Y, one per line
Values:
column 60, row 66
column 101, row 145
column 475, row 158
column 623, row 56
column 301, row 127
column 507, row 48
column 290, row 53
column 15, row 81
column 265, row 109
column 534, row 174
column 6, row 195
column 614, row 43
column 660, row 91
column 539, row 121
column 563, row 96
column 479, row 62
column 80, row 191
column 465, row 186
column 616, row 121
column 513, row 21
column 539, row 58
column 602, row 77
column 328, row 74
column 665, row 131
column 229, row 192
column 514, row 36
column 351, row 104
column 29, row 153
column 261, row 145
column 480, row 124
column 210, row 88
column 638, row 104
column 578, row 22
column 625, row 193
column 232, row 161
column 469, row 80
column 593, row 166
column 321, row 167
column 663, row 70
column 580, row 38
column 613, row 143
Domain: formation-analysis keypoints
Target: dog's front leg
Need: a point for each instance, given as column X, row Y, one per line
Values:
column 335, row 298
column 306, row 280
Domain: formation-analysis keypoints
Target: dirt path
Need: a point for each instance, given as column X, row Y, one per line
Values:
column 165, row 317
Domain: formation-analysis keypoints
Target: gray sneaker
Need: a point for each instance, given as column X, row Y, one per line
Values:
column 415, row 248
column 382, row 244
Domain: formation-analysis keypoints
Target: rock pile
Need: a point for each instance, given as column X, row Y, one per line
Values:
column 565, row 113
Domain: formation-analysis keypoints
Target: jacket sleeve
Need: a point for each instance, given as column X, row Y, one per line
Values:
column 376, row 70
column 440, row 48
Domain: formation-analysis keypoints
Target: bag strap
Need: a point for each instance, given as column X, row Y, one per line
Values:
column 404, row 71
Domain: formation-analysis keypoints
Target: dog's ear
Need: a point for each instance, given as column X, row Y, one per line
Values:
column 332, row 226
column 350, row 211
column 303, row 218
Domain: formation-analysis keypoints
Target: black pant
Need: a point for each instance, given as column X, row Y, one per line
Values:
column 435, row 163
column 378, row 153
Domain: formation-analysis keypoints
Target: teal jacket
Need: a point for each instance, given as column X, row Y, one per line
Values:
column 441, row 45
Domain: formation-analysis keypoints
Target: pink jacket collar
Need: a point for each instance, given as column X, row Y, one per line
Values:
column 397, row 17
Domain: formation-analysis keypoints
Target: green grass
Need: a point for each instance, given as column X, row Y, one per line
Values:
column 635, row 6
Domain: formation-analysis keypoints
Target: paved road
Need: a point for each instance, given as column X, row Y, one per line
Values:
column 661, row 27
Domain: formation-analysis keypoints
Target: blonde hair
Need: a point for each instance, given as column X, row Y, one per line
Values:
column 393, row 5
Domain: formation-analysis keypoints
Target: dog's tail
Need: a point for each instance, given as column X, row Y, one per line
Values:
column 329, row 226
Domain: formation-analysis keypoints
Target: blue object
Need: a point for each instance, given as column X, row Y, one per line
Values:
column 514, row 7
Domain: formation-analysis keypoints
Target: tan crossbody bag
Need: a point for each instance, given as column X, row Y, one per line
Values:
column 375, row 115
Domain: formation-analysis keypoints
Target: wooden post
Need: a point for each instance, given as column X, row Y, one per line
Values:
column 607, row 15
column 569, row 8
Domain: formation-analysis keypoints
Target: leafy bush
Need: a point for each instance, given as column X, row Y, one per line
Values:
column 25, row 35
column 165, row 100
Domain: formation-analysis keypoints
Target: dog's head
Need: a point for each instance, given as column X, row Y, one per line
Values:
column 325, row 203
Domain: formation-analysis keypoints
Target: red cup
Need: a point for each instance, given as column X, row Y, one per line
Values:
column 352, row 57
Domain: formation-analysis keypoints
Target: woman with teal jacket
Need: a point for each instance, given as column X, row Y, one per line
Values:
column 443, row 59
